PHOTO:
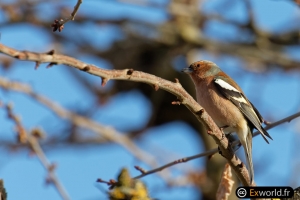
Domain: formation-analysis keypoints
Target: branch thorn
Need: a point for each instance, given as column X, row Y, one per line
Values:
column 176, row 102
column 37, row 64
column 104, row 81
column 140, row 169
column 130, row 71
column 51, row 65
column 156, row 87
column 86, row 69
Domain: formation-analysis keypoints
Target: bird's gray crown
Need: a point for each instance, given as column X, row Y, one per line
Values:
column 214, row 69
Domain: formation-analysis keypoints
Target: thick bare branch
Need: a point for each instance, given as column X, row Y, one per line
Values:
column 131, row 75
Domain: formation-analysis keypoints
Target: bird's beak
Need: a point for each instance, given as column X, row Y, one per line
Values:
column 187, row 70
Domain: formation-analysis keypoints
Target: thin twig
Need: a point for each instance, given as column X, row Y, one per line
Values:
column 182, row 160
column 59, row 24
column 214, row 151
column 76, row 7
column 34, row 145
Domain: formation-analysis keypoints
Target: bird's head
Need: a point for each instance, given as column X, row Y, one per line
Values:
column 202, row 69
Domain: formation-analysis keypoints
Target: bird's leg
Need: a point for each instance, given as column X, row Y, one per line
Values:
column 219, row 150
column 223, row 136
column 233, row 145
column 222, row 128
column 229, row 137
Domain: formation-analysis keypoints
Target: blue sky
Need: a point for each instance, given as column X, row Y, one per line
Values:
column 274, row 93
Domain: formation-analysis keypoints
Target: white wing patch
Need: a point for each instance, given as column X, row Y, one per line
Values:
column 240, row 99
column 227, row 86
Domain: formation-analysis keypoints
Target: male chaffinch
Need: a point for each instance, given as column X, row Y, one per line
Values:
column 227, row 105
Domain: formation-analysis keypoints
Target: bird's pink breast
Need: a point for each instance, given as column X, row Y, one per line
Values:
column 221, row 110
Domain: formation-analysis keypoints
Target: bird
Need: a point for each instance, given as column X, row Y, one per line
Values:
column 227, row 105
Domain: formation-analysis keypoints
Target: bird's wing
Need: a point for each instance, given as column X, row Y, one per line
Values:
column 243, row 104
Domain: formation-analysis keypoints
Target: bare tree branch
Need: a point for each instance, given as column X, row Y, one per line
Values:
column 137, row 76
column 26, row 89
column 181, row 160
column 128, row 74
column 107, row 132
column 33, row 144
column 59, row 24
column 213, row 151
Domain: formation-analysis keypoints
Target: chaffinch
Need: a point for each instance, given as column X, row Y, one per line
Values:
column 227, row 105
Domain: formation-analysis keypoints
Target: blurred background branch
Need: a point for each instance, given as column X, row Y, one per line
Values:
column 32, row 142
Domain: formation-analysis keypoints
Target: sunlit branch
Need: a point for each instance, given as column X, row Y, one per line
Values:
column 174, row 88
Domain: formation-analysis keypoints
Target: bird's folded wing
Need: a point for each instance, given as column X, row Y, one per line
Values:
column 243, row 104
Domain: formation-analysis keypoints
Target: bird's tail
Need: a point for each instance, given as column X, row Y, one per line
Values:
column 248, row 153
